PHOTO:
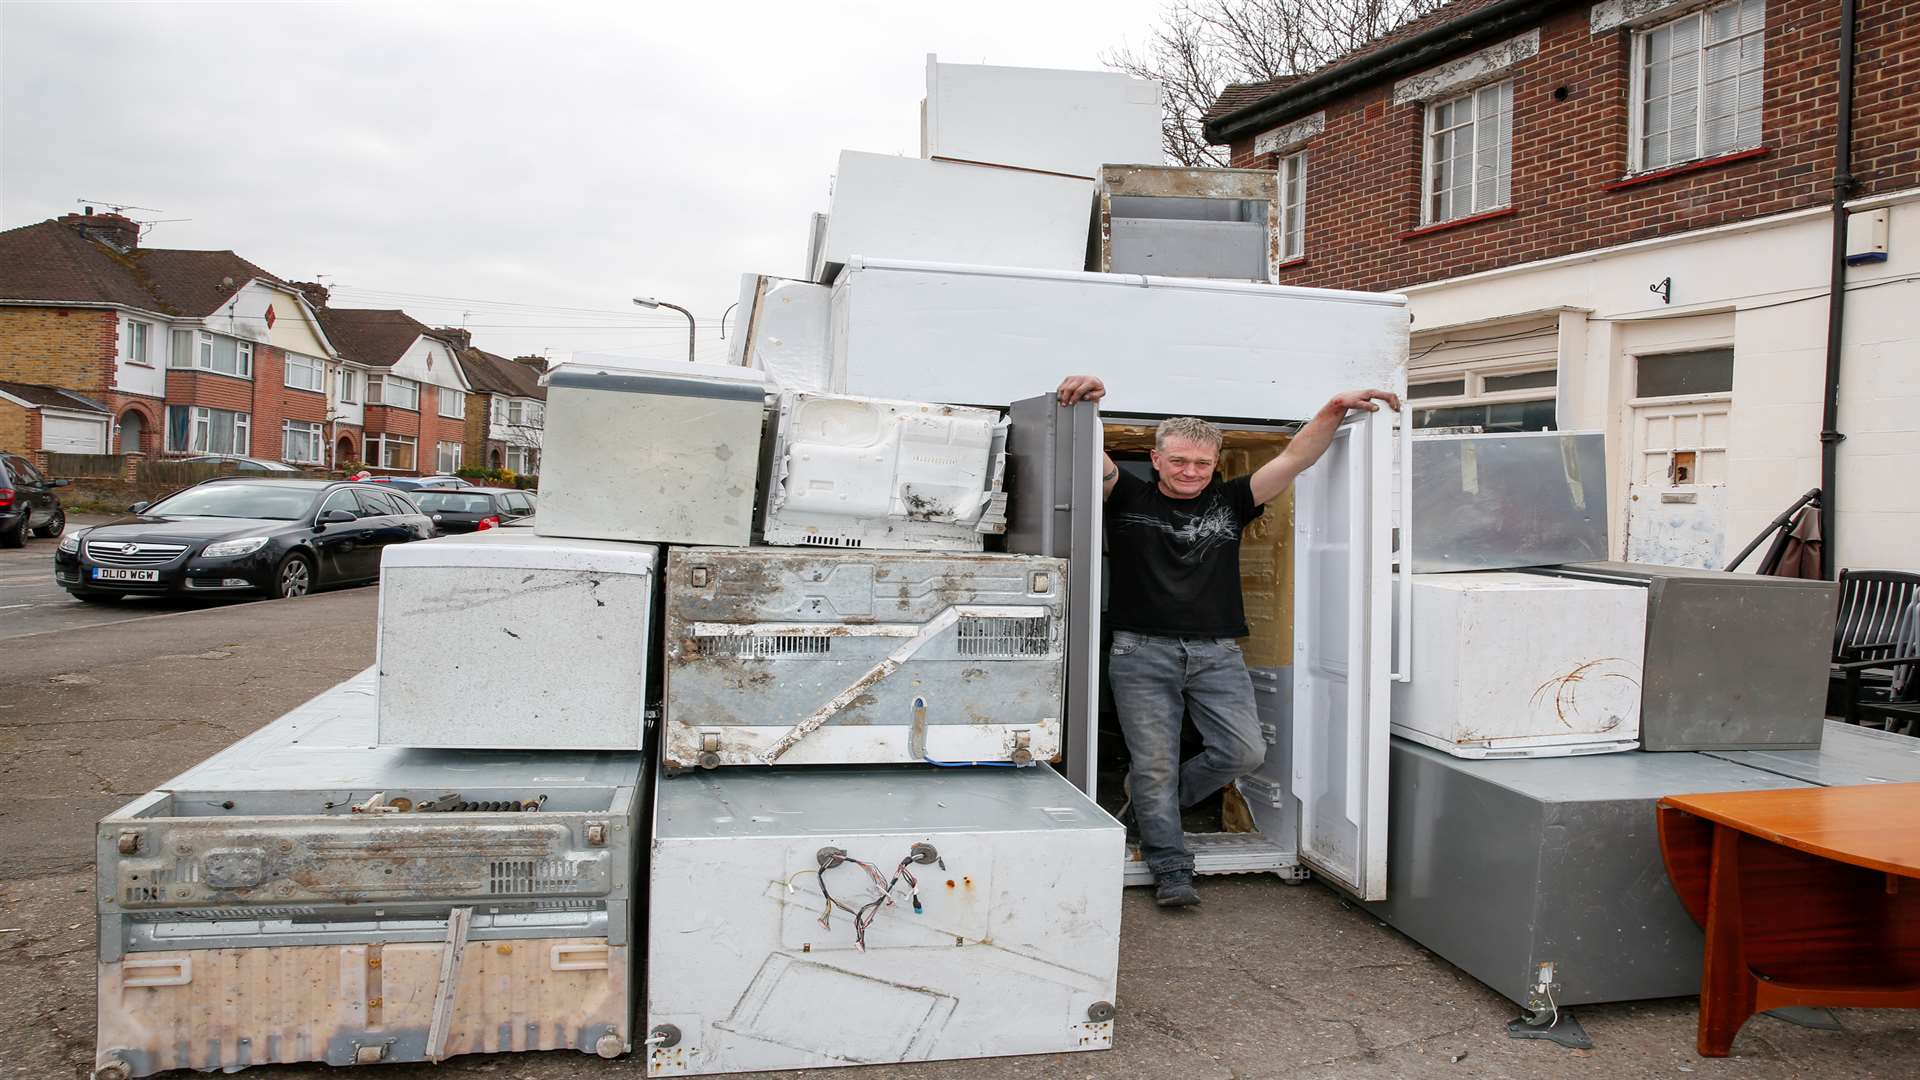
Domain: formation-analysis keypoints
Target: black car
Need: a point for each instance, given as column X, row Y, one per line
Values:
column 280, row 537
column 471, row 509
column 27, row 502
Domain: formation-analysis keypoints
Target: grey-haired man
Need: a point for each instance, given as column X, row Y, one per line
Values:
column 1173, row 549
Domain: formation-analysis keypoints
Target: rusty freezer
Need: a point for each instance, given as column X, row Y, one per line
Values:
column 248, row 913
column 1182, row 222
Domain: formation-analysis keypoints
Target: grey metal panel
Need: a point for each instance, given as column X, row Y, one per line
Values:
column 1013, row 947
column 1268, row 790
column 1500, row 502
column 814, row 656
column 1500, row 866
column 1847, row 755
column 1733, row 661
column 1054, row 508
column 1181, row 247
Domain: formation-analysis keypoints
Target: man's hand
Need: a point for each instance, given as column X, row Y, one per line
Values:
column 1364, row 399
column 1081, row 388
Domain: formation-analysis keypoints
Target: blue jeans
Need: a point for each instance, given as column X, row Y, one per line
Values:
column 1156, row 682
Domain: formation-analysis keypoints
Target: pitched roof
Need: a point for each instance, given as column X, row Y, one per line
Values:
column 51, row 397
column 1242, row 96
column 52, row 261
column 374, row 336
column 499, row 375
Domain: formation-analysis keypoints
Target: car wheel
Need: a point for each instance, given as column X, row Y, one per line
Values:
column 96, row 597
column 294, row 578
column 55, row 527
column 16, row 538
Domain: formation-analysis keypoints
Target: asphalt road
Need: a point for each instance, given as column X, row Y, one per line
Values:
column 1263, row 980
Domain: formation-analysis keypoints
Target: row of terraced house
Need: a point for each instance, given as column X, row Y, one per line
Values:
column 108, row 347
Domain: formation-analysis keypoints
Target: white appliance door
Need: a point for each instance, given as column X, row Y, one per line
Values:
column 1342, row 632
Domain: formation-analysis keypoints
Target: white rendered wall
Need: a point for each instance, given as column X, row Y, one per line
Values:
column 1736, row 287
column 151, row 379
column 1040, row 118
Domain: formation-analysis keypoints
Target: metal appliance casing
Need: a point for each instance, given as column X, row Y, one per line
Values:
column 781, row 329
column 1848, row 755
column 247, row 914
column 1179, row 222
column 892, row 656
column 1733, row 661
column 666, row 456
column 852, row 472
column 1503, row 501
column 1519, row 665
column 505, row 639
column 1016, row 951
column 1503, row 866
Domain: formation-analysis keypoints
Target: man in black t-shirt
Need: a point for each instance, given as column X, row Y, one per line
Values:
column 1173, row 603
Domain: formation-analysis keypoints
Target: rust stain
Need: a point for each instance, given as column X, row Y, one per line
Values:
column 949, row 883
column 1566, row 689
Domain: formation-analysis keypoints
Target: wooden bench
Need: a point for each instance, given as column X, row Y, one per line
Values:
column 1808, row 896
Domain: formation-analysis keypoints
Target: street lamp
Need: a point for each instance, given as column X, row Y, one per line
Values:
column 651, row 303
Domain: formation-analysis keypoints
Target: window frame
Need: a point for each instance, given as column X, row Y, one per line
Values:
column 312, row 430
column 1638, row 77
column 385, row 441
column 1476, row 393
column 140, row 342
column 1430, row 163
column 1293, row 211
column 389, row 382
column 450, row 397
column 313, row 363
column 199, row 355
column 528, row 460
column 200, row 430
column 348, row 388
column 1635, row 398
column 440, row 458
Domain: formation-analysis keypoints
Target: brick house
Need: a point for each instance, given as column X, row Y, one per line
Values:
column 1618, row 216
column 185, row 352
column 415, row 404
column 506, row 414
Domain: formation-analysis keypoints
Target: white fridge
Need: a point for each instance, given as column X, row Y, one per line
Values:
column 1253, row 357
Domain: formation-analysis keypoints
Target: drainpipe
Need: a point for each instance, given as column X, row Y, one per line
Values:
column 1843, row 185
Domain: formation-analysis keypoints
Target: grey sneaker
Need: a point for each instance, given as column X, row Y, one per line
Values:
column 1175, row 889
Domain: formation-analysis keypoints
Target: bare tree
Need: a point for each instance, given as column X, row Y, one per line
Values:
column 1199, row 46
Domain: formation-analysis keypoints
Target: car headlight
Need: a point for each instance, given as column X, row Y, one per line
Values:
column 70, row 543
column 246, row 545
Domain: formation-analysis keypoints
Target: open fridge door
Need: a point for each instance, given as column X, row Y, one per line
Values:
column 1054, row 508
column 1343, row 655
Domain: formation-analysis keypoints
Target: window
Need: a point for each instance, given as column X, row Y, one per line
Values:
column 1697, row 84
column 391, row 451
column 349, row 386
column 373, row 503
column 341, row 499
column 1685, row 374
column 453, row 403
column 212, row 352
column 395, row 391
column 138, row 336
column 448, row 460
column 523, row 459
column 192, row 429
column 1491, row 401
column 499, row 409
column 1293, row 206
column 517, row 502
column 301, row 443
column 306, row 373
column 1469, row 164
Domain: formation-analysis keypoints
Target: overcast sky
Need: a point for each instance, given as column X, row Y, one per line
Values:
column 459, row 160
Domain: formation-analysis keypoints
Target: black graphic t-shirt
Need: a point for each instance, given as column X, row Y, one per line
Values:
column 1175, row 563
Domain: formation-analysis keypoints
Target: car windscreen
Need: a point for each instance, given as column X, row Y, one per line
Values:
column 443, row 502
column 228, row 500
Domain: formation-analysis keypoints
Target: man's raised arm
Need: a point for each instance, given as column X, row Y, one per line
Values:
column 1311, row 441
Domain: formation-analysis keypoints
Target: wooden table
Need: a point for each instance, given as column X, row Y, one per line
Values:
column 1808, row 896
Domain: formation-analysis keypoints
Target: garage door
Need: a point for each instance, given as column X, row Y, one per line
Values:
column 72, row 435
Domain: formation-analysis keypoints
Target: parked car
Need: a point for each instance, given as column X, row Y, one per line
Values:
column 244, row 464
column 399, row 483
column 27, row 502
column 443, row 481
column 474, row 508
column 233, row 534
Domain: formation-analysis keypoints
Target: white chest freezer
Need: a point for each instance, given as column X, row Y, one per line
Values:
column 1510, row 669
column 788, row 657
column 305, row 896
column 850, row 472
column 666, row 456
column 505, row 639
column 1039, row 118
column 993, row 335
column 1006, row 940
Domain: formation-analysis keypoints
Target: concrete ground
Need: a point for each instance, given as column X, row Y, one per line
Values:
column 1263, row 980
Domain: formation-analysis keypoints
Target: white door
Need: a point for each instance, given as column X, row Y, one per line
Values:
column 72, row 435
column 1677, row 487
column 1342, row 656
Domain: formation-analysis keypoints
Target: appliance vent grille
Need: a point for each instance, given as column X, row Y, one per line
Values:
column 523, row 877
column 1016, row 638
column 766, row 646
column 814, row 540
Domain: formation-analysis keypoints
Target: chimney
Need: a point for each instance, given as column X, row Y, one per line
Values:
column 460, row 339
column 536, row 362
column 316, row 293
column 117, row 231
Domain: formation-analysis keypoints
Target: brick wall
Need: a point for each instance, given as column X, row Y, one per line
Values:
column 426, row 425
column 151, row 409
column 14, row 428
column 274, row 401
column 72, row 348
column 1364, row 170
column 475, row 435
